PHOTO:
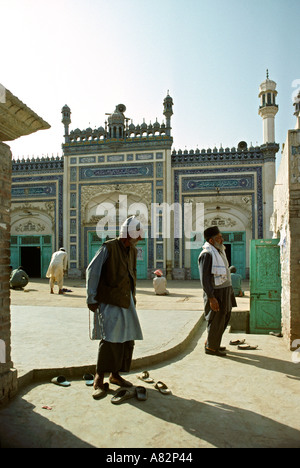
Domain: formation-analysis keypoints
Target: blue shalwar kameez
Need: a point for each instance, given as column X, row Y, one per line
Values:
column 116, row 327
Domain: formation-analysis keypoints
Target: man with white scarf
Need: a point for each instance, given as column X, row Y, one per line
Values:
column 218, row 294
column 111, row 284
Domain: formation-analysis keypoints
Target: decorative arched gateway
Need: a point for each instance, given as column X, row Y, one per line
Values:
column 103, row 211
column 32, row 237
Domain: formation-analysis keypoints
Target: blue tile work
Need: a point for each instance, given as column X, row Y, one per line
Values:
column 133, row 170
column 39, row 187
column 83, row 240
column 124, row 153
column 227, row 180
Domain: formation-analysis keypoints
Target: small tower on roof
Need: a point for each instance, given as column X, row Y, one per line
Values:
column 268, row 108
column 66, row 120
column 116, row 121
column 168, row 112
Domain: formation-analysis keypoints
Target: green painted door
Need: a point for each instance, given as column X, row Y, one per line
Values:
column 14, row 257
column 195, row 252
column 265, row 286
column 42, row 244
column 94, row 244
column 142, row 261
column 46, row 254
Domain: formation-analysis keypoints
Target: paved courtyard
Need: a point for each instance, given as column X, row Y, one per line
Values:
column 247, row 399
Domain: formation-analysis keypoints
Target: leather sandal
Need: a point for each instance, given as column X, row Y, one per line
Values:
column 100, row 392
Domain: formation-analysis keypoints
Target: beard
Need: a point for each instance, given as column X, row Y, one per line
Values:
column 219, row 246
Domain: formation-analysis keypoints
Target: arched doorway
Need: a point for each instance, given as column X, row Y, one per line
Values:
column 104, row 214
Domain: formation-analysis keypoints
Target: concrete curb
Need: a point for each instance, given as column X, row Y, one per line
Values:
column 76, row 372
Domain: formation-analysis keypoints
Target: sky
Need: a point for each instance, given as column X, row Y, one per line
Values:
column 94, row 54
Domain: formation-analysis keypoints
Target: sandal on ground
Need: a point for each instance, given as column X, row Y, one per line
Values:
column 89, row 379
column 247, row 346
column 121, row 395
column 145, row 377
column 141, row 393
column 60, row 380
column 162, row 388
column 100, row 392
column 237, row 342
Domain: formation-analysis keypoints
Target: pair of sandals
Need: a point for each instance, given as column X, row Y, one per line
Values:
column 241, row 344
column 125, row 393
column 160, row 386
column 63, row 382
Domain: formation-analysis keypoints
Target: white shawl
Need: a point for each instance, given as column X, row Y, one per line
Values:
column 218, row 268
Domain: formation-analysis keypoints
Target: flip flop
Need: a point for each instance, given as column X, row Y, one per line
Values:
column 61, row 380
column 122, row 395
column 141, row 393
column 89, row 379
column 246, row 346
column 162, row 388
column 100, row 392
column 236, row 342
column 145, row 377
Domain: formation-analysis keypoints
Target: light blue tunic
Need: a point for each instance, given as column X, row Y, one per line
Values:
column 113, row 323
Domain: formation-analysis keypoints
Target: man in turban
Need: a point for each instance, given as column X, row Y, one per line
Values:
column 111, row 286
column 217, row 289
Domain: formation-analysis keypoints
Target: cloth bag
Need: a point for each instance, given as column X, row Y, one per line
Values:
column 95, row 325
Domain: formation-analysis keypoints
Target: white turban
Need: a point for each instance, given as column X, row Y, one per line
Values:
column 132, row 227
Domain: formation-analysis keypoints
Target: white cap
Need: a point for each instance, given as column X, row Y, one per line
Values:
column 132, row 227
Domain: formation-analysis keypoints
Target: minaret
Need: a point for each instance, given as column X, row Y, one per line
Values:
column 297, row 111
column 66, row 120
column 268, row 108
column 168, row 112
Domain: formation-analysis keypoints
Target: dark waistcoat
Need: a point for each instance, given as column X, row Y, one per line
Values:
column 118, row 276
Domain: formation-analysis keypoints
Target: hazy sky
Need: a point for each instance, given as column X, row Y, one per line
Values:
column 94, row 54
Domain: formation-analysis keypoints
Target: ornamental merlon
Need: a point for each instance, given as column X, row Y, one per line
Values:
column 234, row 154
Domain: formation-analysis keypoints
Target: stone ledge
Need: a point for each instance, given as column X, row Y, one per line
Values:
column 16, row 119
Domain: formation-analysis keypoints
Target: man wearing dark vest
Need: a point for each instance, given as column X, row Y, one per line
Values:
column 217, row 289
column 111, row 286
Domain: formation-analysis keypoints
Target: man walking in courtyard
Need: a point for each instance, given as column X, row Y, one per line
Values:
column 217, row 289
column 57, row 266
column 111, row 285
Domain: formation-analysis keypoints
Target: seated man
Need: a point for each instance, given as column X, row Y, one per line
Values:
column 160, row 284
column 18, row 279
column 236, row 281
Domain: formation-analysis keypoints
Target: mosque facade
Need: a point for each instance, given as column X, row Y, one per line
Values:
column 106, row 174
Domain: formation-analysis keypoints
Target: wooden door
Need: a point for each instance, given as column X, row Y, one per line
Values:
column 265, row 286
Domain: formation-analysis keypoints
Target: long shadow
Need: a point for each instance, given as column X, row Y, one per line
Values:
column 265, row 362
column 219, row 424
column 35, row 431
